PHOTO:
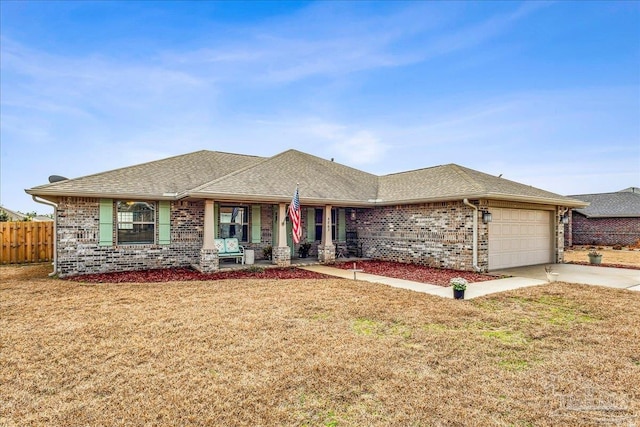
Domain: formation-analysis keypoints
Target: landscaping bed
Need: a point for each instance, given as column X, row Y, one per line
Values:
column 416, row 273
column 189, row 274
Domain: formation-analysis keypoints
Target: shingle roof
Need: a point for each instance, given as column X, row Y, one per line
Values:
column 631, row 190
column 157, row 179
column 610, row 205
column 276, row 177
column 225, row 176
column 454, row 181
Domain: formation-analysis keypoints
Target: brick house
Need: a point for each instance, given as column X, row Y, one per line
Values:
column 610, row 219
column 168, row 212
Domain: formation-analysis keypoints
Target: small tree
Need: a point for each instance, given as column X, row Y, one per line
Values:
column 28, row 216
column 4, row 217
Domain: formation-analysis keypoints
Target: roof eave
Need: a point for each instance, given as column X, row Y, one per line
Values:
column 569, row 203
column 610, row 215
column 564, row 201
column 46, row 194
column 261, row 198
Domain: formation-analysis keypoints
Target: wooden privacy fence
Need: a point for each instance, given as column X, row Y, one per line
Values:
column 27, row 241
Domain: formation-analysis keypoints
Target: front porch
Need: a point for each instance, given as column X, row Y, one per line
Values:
column 266, row 230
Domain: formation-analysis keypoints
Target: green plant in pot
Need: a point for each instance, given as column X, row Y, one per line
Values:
column 459, row 286
column 595, row 257
column 267, row 252
column 303, row 250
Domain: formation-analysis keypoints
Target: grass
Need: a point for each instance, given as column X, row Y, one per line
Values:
column 324, row 352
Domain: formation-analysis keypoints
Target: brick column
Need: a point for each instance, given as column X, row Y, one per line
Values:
column 209, row 260
column 559, row 234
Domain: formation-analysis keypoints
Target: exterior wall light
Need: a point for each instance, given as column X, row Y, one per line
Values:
column 353, row 214
column 565, row 218
column 486, row 217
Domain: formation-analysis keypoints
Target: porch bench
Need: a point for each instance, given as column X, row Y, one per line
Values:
column 229, row 248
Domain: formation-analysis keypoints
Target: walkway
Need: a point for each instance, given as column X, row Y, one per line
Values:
column 473, row 289
column 619, row 278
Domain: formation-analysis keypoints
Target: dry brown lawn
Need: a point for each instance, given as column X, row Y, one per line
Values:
column 609, row 256
column 318, row 352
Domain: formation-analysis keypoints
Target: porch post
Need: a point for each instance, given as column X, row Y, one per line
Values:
column 282, row 253
column 208, row 225
column 326, row 250
column 209, row 260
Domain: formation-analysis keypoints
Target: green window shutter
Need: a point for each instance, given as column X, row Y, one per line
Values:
column 164, row 222
column 342, row 225
column 311, row 224
column 256, row 228
column 216, row 210
column 274, row 229
column 106, row 222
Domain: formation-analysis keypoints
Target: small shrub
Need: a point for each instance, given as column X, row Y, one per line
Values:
column 267, row 252
column 617, row 247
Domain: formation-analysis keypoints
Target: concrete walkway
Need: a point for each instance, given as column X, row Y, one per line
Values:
column 620, row 278
column 473, row 289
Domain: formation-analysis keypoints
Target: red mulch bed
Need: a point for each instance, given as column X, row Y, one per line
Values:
column 416, row 273
column 188, row 274
column 632, row 267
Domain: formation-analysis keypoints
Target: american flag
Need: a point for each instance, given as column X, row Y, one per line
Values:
column 294, row 214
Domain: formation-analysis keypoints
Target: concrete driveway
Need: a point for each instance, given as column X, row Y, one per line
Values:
column 620, row 278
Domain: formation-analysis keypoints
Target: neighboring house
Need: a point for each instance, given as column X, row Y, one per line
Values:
column 13, row 215
column 610, row 219
column 168, row 212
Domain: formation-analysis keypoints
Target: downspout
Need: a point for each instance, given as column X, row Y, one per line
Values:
column 55, row 235
column 475, row 233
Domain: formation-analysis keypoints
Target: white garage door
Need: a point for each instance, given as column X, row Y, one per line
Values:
column 519, row 237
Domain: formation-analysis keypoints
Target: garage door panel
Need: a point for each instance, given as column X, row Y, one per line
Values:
column 519, row 237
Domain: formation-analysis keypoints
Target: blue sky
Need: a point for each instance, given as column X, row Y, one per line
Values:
column 547, row 94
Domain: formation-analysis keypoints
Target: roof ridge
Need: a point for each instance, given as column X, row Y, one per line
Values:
column 462, row 171
column 235, row 172
column 318, row 158
column 605, row 194
column 413, row 170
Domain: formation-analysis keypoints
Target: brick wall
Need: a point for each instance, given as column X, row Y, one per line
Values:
column 603, row 231
column 434, row 234
column 77, row 234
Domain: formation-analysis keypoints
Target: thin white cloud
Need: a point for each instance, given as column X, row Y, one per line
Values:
column 326, row 40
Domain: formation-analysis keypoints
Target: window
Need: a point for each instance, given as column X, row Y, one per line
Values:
column 136, row 222
column 319, row 225
column 234, row 222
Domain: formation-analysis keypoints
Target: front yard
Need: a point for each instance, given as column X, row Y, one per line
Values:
column 325, row 352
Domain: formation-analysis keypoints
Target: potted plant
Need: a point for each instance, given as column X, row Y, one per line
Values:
column 595, row 257
column 267, row 252
column 459, row 286
column 304, row 249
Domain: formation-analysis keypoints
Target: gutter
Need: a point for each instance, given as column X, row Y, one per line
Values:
column 475, row 233
column 55, row 234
